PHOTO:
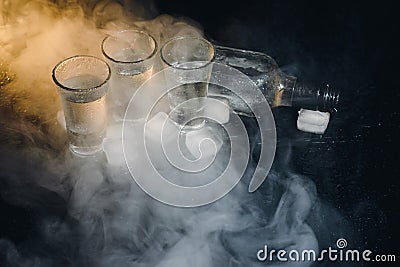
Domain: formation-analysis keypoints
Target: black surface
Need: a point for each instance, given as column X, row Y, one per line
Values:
column 352, row 45
column 349, row 44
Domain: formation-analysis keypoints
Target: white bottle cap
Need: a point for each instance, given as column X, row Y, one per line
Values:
column 312, row 121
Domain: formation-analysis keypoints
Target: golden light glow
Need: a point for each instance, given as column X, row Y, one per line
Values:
column 37, row 34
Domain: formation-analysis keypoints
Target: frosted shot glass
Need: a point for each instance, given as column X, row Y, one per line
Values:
column 189, row 58
column 82, row 87
column 130, row 54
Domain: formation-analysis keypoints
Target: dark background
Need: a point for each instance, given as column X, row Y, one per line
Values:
column 348, row 44
column 352, row 45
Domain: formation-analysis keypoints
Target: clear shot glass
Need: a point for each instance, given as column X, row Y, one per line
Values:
column 130, row 54
column 82, row 86
column 189, row 58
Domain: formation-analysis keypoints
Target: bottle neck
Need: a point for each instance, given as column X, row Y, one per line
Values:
column 284, row 90
column 321, row 98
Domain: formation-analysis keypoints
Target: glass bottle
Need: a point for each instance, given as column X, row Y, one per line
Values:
column 279, row 88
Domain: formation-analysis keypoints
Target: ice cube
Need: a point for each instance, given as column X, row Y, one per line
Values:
column 312, row 121
column 203, row 142
column 218, row 111
column 161, row 126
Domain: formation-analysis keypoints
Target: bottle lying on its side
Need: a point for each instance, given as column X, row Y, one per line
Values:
column 278, row 88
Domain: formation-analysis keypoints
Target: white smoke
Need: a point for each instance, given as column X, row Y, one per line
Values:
column 110, row 221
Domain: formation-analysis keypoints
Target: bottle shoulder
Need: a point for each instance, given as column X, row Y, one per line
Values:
column 251, row 63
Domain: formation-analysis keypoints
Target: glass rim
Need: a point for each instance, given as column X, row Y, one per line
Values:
column 59, row 84
column 152, row 54
column 188, row 37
